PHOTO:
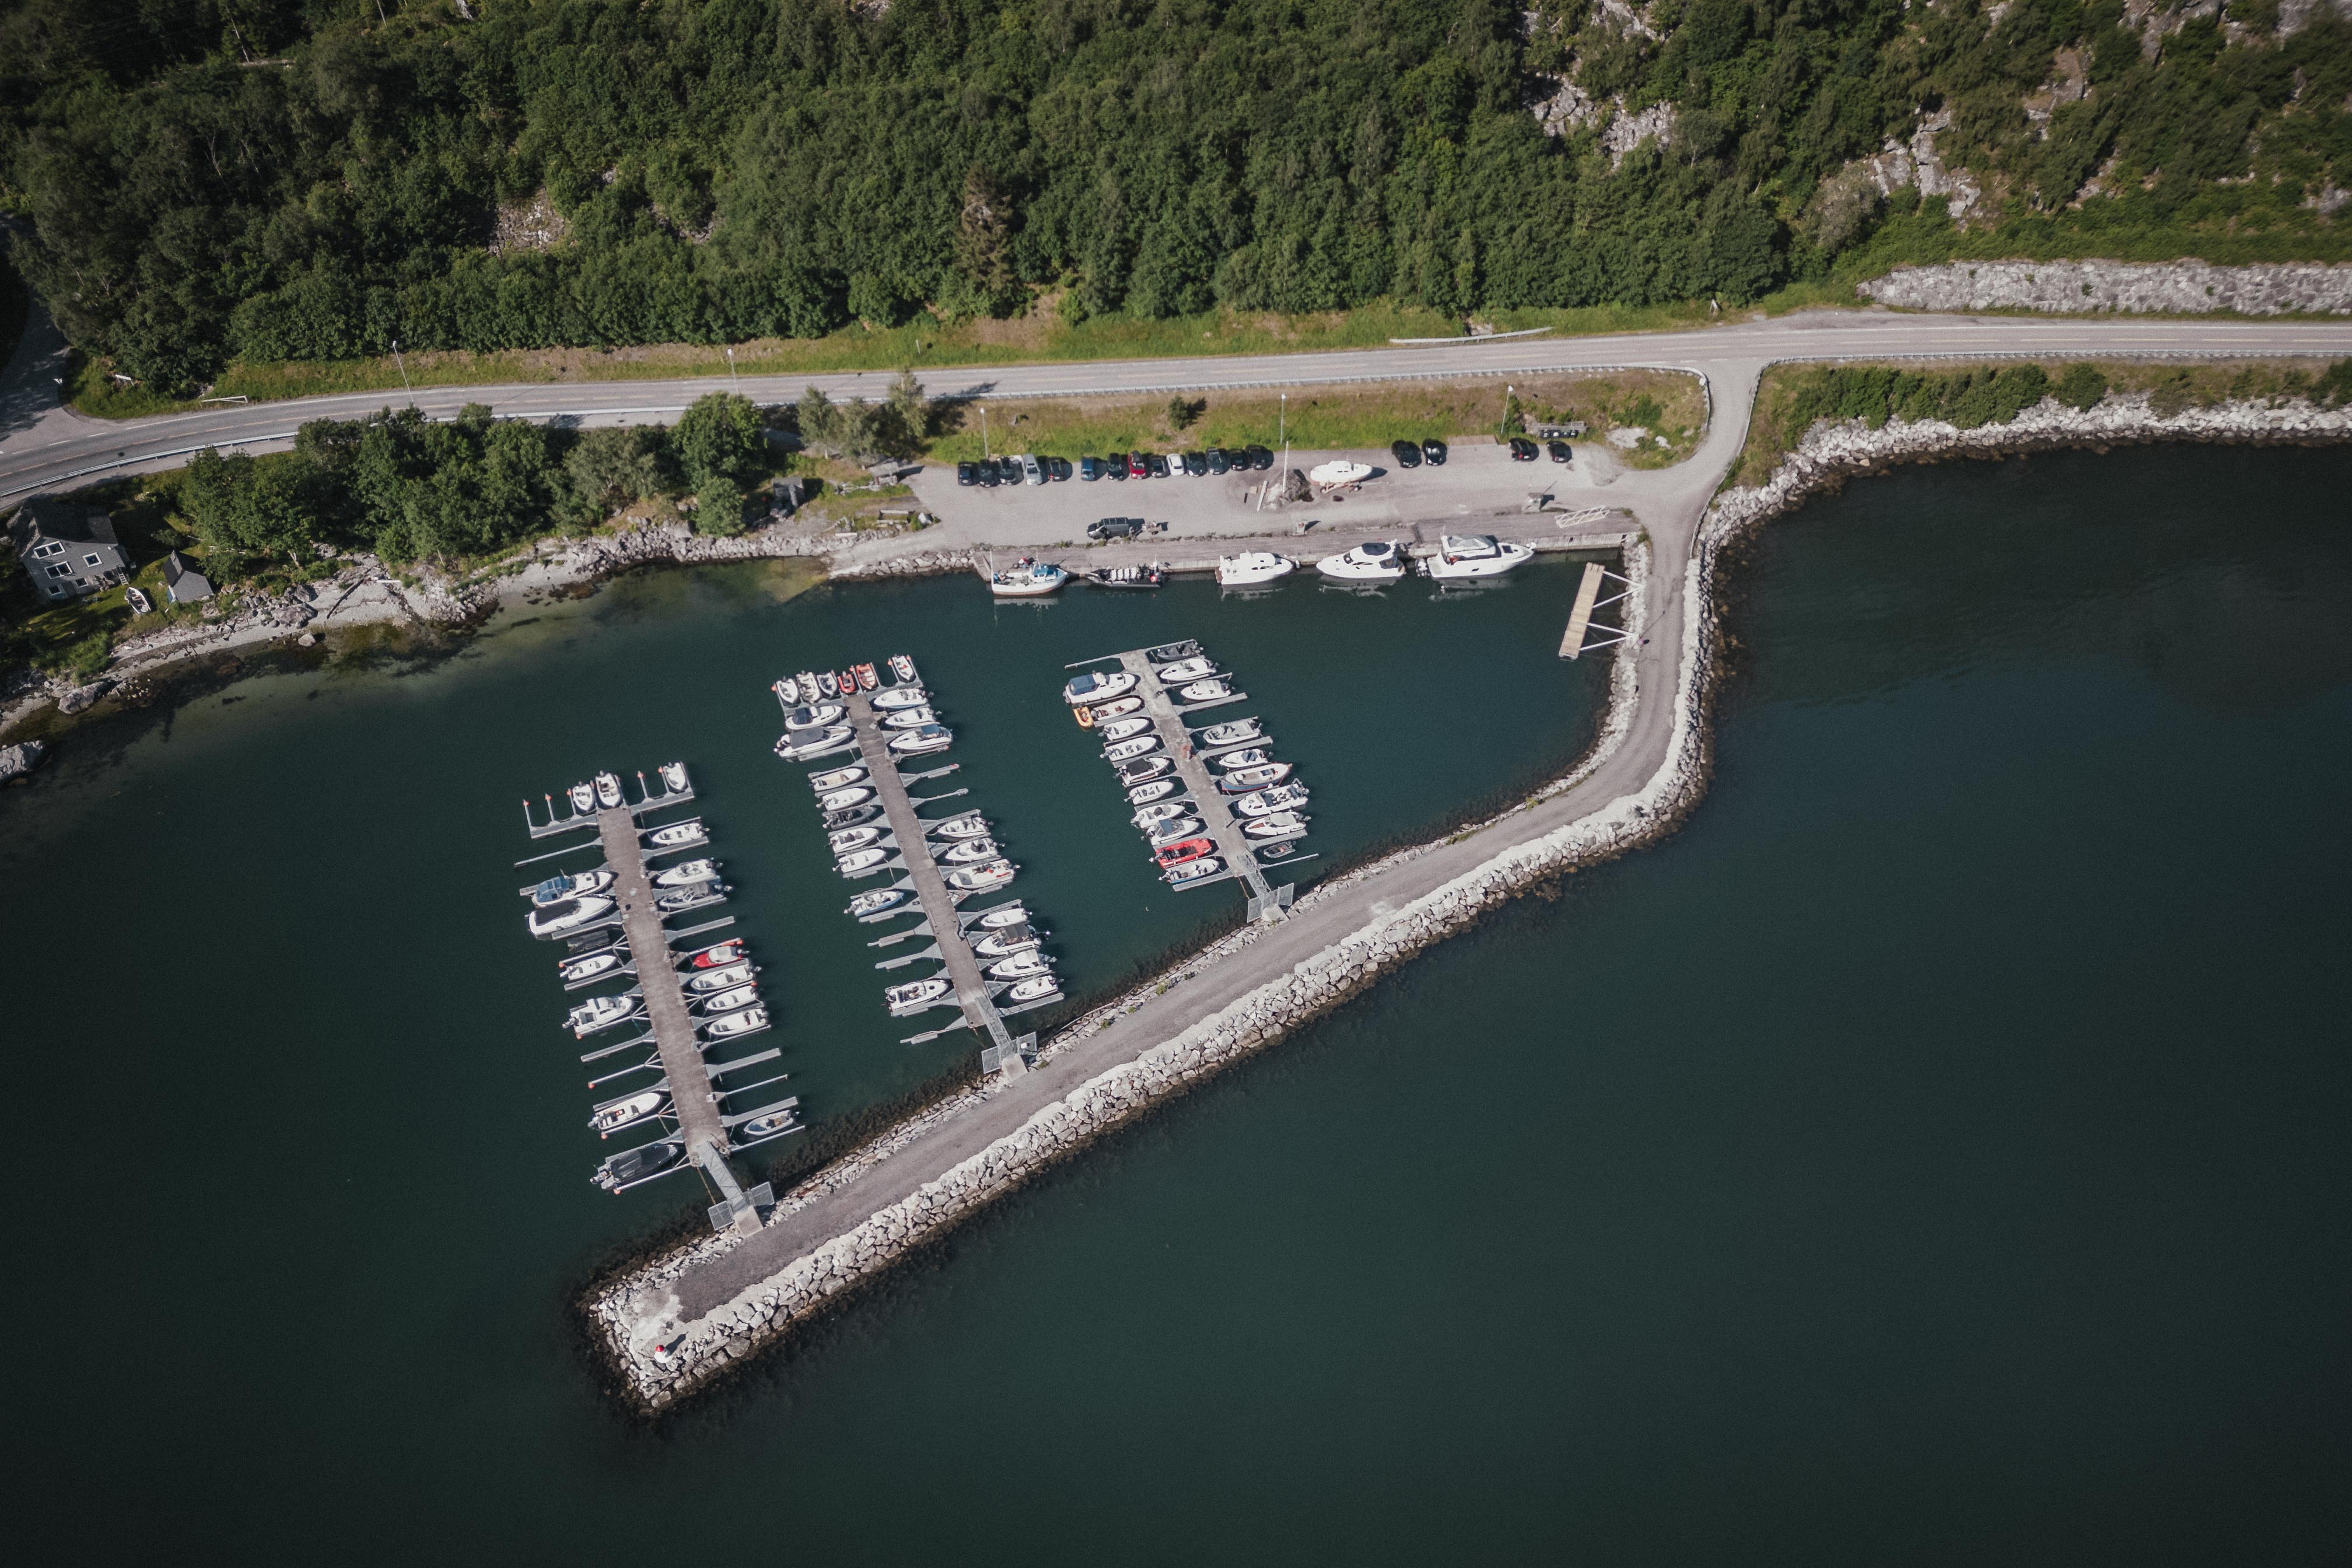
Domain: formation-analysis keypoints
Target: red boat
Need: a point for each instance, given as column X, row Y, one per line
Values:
column 1187, row 849
column 725, row 952
column 848, row 678
column 866, row 678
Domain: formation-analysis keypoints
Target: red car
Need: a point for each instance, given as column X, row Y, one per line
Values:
column 1185, row 849
column 1138, row 465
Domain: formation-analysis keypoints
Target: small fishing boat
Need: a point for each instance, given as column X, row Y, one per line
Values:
column 556, row 890
column 727, row 1001
column 847, row 680
column 1184, row 849
column 1184, row 671
column 857, row 863
column 837, row 778
column 1041, row 989
column 1171, row 830
column 826, row 685
column 797, row 744
column 626, row 1113
column 773, row 1123
column 1340, row 471
column 583, row 798
column 678, row 836
column 867, row 680
column 1004, row 916
column 903, row 668
column 1097, row 686
column 588, row 968
column 1027, row 579
column 810, row 689
column 630, row 1167
column 1120, row 729
column 599, row 1013
column 878, row 900
column 917, row 995
column 843, row 799
column 913, row 718
column 1020, row 967
column 1377, row 560
column 973, row 826
column 1266, row 802
column 915, row 743
column 1132, row 773
column 979, row 878
column 1132, row 747
column 851, row 839
column 1278, row 851
column 704, row 981
column 1144, row 793
column 1275, row 825
column 608, row 790
column 1231, row 732
column 1465, row 556
column 1213, row 690
column 854, row 816
column 570, row 915
column 1248, row 756
column 685, row 874
column 1193, row 871
column 970, row 854
column 1004, row 944
column 1117, row 707
column 673, row 776
column 1125, row 577
column 718, row 956
column 815, row 716
column 1167, row 652
column 898, row 696
column 1242, row 781
column 688, row 897
column 747, row 1021
column 1252, row 567
column 1161, row 813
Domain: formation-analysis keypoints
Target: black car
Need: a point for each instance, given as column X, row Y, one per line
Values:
column 967, row 473
column 1218, row 462
column 1114, row 528
column 1557, row 450
column 985, row 471
column 1522, row 449
column 1056, row 467
column 1115, row 466
column 1196, row 464
column 1259, row 458
column 1406, row 454
column 1432, row 452
column 1156, row 465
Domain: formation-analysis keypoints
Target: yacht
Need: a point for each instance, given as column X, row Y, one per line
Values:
column 707, row 980
column 673, row 776
column 1169, row 831
column 1182, row 851
column 1465, row 556
column 1097, row 687
column 1125, row 577
column 1043, row 988
column 1376, row 562
column 1247, row 756
column 690, row 898
column 567, row 916
column 898, row 696
column 917, row 995
column 1134, row 746
column 910, row 717
column 837, row 778
column 1215, row 690
column 1161, row 813
column 1231, row 732
column 1275, row 825
column 719, row 956
column 970, row 853
column 878, row 900
column 685, row 874
column 903, row 668
column 797, row 744
column 729, row 1000
column 1145, row 793
column 1120, row 729
column 1340, row 471
column 626, row 1113
column 843, row 799
column 851, row 817
column 630, row 1167
column 817, row 716
column 1266, row 802
column 556, row 890
column 979, row 878
column 1136, row 773
column 1184, row 671
column 773, row 1123
column 1117, row 707
column 580, row 970
column 858, row 862
column 1020, row 967
column 584, row 798
column 750, row 1020
column 915, row 743
column 867, row 680
column 599, row 1013
column 826, row 685
column 1251, row 567
column 1242, row 781
column 1004, row 944
column 678, row 836
column 842, row 840
column 973, row 826
column 1028, row 580
column 608, row 790
column 1167, row 652
column 1193, row 871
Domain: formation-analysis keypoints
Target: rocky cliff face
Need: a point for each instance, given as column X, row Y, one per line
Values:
column 2176, row 288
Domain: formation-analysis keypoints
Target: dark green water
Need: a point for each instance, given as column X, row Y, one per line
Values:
column 1935, row 1152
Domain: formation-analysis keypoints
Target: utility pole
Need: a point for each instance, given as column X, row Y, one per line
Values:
column 984, row 432
column 1503, row 426
column 1285, row 439
column 736, row 381
column 403, row 371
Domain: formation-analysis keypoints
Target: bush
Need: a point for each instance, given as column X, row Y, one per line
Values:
column 719, row 508
column 2081, row 387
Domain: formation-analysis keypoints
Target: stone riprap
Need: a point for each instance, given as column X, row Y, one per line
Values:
column 2169, row 287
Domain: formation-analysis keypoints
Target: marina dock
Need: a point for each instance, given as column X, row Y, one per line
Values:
column 1216, row 816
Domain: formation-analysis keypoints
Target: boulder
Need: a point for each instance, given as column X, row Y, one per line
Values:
column 83, row 697
column 18, row 760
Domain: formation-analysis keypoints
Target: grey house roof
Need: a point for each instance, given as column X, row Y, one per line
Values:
column 182, row 582
column 45, row 517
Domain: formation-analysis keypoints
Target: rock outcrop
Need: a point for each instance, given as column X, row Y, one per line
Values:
column 2175, row 287
column 20, row 759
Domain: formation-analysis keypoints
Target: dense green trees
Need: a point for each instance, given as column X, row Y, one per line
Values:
column 298, row 179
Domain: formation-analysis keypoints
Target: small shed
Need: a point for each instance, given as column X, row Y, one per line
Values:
column 183, row 583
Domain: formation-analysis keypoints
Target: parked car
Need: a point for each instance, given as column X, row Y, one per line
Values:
column 1031, row 471
column 985, row 471
column 1156, row 465
column 1406, row 454
column 1114, row 528
column 967, row 473
column 1522, row 449
column 1115, row 466
column 1196, row 464
column 1090, row 469
column 1218, row 462
column 1558, row 450
column 1260, row 458
column 1432, row 452
column 1139, row 466
column 1057, row 468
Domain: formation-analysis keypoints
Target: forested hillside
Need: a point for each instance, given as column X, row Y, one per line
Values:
column 304, row 179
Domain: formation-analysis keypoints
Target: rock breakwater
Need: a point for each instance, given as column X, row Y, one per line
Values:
column 2169, row 287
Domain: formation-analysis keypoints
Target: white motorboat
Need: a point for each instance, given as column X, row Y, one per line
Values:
column 875, row 900
column 867, row 680
column 837, row 778
column 973, row 826
column 630, row 1167
column 1136, row 773
column 1098, row 686
column 1134, row 746
column 1258, row 775
column 843, row 799
column 855, row 816
column 827, row 684
column 1184, row 671
column 858, row 862
column 1041, row 988
column 567, row 916
column 723, row 978
column 1232, row 733
column 903, row 668
column 1275, row 825
column 690, row 898
column 749, row 1021
column 909, row 719
column 1028, row 580
column 686, row 873
column 979, row 878
column 1145, row 793
column 1166, row 652
column 850, row 838
column 1377, row 560
column 970, row 854
column 678, row 836
column 797, row 744
column 624, row 1112
column 1117, row 707
column 915, row 743
column 729, row 1000
column 716, row 956
column 583, row 798
column 899, row 697
column 1251, row 567
column 1215, row 690
column 1004, row 943
column 917, row 995
column 673, row 776
column 1020, row 967
column 810, row 689
column 1266, row 802
column 556, row 890
column 1248, row 756
column 1340, row 471
column 608, row 790
column 1120, row 729
column 1465, row 556
column 1169, row 831
column 600, row 1012
column 1161, row 813
column 815, row 716
column 1193, row 871
column 768, row 1126
column 588, row 968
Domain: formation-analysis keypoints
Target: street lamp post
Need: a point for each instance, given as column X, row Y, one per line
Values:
column 983, row 433
column 1285, row 435
column 403, row 371
column 1503, row 429
column 734, row 380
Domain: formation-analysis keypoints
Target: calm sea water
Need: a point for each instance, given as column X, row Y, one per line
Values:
column 1935, row 1152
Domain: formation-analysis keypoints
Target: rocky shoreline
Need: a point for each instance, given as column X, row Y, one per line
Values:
column 2074, row 288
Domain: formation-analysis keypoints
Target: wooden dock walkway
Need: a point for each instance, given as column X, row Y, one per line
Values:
column 1216, row 815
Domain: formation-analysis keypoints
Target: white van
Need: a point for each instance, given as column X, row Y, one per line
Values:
column 1031, row 471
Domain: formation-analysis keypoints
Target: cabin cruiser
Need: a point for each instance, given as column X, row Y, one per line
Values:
column 837, row 778
column 867, row 680
column 979, row 878
column 843, row 799
column 1377, row 560
column 1247, row 756
column 1004, row 943
column 1136, row 773
column 599, row 1013
column 1120, row 729
column 826, row 684
column 690, row 898
column 915, row 743
column 621, row 1114
column 1215, row 690
column 858, row 862
column 678, row 836
column 1166, row 652
column 1275, row 825
column 554, row 920
column 851, row 817
column 910, row 717
column 797, row 744
column 1004, row 917
column 1174, row 828
column 1266, row 802
column 1252, row 567
column 581, row 970
column 717, row 956
column 1117, row 707
column 1134, row 746
column 917, row 995
column 750, row 1020
column 1097, row 686
column 583, row 798
column 774, row 1122
column 1182, row 851
column 903, row 668
column 1161, row 813
column 608, row 790
column 729, row 1000
column 1232, row 733
column 1020, row 967
column 973, row 826
column 1145, row 793
column 1027, row 579
column 899, row 697
column 971, row 853
column 1258, row 775
column 1125, row 577
column 1340, row 471
column 556, row 890
column 1463, row 555
column 1193, row 871
column 723, row 978
column 630, row 1167
column 817, row 716
column 685, row 874
column 673, row 776
column 844, row 840
column 1043, row 988
column 1184, row 671
column 878, row 900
